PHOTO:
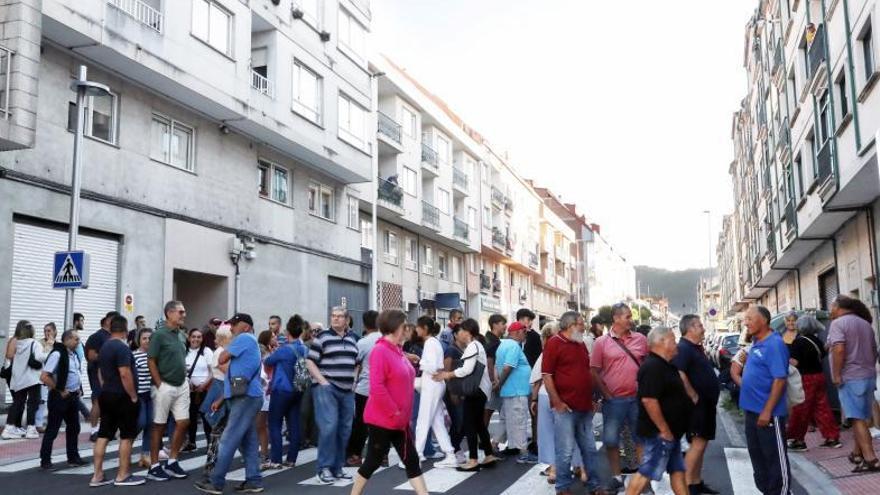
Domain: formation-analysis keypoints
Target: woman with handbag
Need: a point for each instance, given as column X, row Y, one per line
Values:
column 27, row 357
column 471, row 380
column 198, row 365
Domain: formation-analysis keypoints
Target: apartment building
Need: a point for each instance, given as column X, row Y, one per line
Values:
column 610, row 276
column 557, row 287
column 229, row 126
column 805, row 173
column 427, row 199
column 730, row 295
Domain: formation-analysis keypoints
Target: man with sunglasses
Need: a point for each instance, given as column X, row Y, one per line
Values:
column 166, row 359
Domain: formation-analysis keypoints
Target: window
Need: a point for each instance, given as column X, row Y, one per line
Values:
column 791, row 83
column 264, row 179
column 307, row 92
column 472, row 260
column 456, row 269
column 389, row 247
column 428, row 260
column 366, row 233
column 442, row 266
column 487, row 217
column 352, row 34
column 312, row 11
column 443, row 201
column 171, row 142
column 353, row 212
column 409, row 122
column 472, row 218
column 487, row 174
column 410, row 181
column 352, row 122
column 212, row 24
column 274, row 181
column 101, row 113
column 412, row 254
column 824, row 130
column 321, row 201
column 443, row 149
column 841, row 92
column 867, row 42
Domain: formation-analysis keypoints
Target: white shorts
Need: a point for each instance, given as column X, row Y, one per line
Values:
column 170, row 399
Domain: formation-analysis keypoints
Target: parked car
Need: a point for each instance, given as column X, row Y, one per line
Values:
column 728, row 348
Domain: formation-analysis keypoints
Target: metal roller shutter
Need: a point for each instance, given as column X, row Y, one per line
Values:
column 33, row 298
column 827, row 288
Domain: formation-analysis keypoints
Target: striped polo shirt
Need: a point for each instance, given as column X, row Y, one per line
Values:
column 335, row 356
column 143, row 372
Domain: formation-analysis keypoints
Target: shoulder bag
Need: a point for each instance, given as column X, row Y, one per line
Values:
column 794, row 388
column 192, row 368
column 627, row 351
column 33, row 362
column 238, row 385
column 469, row 385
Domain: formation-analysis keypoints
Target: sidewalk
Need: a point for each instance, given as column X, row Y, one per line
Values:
column 23, row 449
column 834, row 463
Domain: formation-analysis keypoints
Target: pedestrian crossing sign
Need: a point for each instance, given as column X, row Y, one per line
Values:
column 70, row 270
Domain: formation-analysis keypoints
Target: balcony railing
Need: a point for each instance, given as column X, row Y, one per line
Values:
column 497, row 197
column 462, row 229
column 784, row 139
column 262, row 84
column 143, row 13
column 508, row 205
column 430, row 215
column 429, row 156
column 390, row 192
column 389, row 127
column 777, row 57
column 499, row 240
column 533, row 260
column 5, row 74
column 817, row 50
column 459, row 178
column 771, row 246
column 823, row 160
column 485, row 282
column 788, row 216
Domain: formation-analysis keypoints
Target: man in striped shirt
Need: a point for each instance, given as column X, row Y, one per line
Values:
column 331, row 362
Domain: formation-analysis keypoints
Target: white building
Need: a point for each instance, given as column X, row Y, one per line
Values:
column 610, row 276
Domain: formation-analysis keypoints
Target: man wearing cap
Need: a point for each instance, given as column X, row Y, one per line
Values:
column 243, row 356
column 513, row 372
column 209, row 333
column 166, row 359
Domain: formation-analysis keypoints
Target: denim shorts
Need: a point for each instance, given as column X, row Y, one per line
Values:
column 616, row 412
column 857, row 397
column 660, row 456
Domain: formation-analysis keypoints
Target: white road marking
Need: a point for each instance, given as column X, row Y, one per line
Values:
column 531, row 482
column 439, row 480
column 739, row 468
column 392, row 463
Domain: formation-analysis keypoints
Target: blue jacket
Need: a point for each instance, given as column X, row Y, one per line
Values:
column 284, row 360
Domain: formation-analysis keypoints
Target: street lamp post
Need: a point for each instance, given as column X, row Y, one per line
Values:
column 83, row 88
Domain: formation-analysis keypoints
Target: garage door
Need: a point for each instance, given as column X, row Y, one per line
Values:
column 33, row 298
column 827, row 289
column 350, row 294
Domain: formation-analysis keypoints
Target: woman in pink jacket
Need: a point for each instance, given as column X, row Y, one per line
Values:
column 389, row 406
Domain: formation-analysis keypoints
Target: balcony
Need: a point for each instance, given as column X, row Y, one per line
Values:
column 499, row 240
column 823, row 160
column 485, row 283
column 430, row 216
column 777, row 57
column 262, row 84
column 783, row 140
column 508, row 206
column 5, row 75
column 771, row 245
column 461, row 229
column 389, row 128
column 459, row 180
column 789, row 218
column 817, row 51
column 141, row 11
column 430, row 159
column 390, row 193
column 533, row 261
column 497, row 198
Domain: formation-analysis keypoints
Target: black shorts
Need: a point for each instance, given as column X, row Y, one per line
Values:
column 95, row 384
column 703, row 418
column 118, row 413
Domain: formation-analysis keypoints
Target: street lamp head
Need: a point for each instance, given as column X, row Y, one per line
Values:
column 90, row 88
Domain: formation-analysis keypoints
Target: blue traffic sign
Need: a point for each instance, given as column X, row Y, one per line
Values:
column 70, row 270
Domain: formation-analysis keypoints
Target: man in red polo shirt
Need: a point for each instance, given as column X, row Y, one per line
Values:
column 566, row 370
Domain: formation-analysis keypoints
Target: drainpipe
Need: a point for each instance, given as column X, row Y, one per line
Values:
column 836, row 267
column 800, row 295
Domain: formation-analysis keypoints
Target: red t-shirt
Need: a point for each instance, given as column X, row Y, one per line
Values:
column 568, row 362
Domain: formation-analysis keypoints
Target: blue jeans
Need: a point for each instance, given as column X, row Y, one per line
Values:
column 145, row 421
column 240, row 434
column 334, row 413
column 284, row 406
column 574, row 429
column 616, row 412
column 661, row 456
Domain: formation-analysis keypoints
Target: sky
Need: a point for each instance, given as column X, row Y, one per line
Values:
column 622, row 107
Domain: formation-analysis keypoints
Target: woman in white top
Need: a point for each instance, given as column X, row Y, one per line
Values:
column 198, row 371
column 431, row 406
column 25, row 382
column 474, row 425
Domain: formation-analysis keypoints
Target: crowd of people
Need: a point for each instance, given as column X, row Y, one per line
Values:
column 430, row 391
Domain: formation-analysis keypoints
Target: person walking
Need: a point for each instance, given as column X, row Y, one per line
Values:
column 663, row 414
column 474, row 404
column 513, row 372
column 431, row 409
column 286, row 398
column 92, row 348
column 389, row 405
column 119, row 405
column 166, row 358
column 615, row 363
column 198, row 365
column 565, row 367
column 243, row 396
column 365, row 344
column 332, row 360
column 703, row 388
column 762, row 397
column 854, row 373
column 27, row 357
column 806, row 353
column 268, row 344
column 216, row 417
column 61, row 375
column 50, row 336
column 145, row 414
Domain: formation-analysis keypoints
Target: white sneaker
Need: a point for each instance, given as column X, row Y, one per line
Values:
column 461, row 457
column 11, row 432
column 437, row 455
column 32, row 432
column 448, row 462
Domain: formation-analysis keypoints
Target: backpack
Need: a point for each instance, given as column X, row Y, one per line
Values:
column 302, row 379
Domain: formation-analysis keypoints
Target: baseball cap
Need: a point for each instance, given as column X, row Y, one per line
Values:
column 516, row 327
column 243, row 317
